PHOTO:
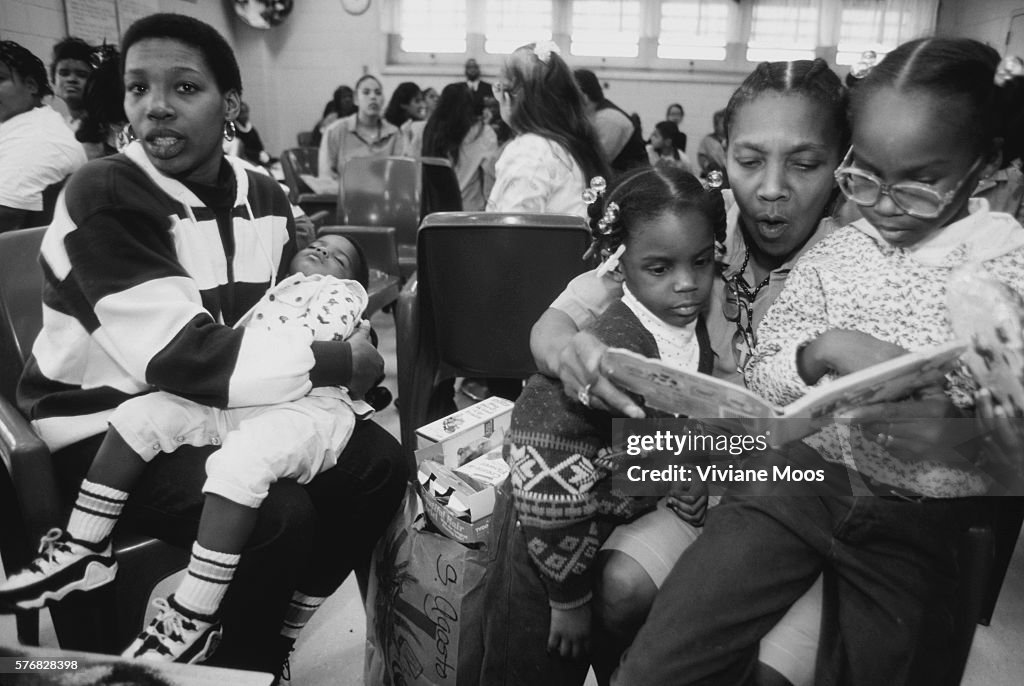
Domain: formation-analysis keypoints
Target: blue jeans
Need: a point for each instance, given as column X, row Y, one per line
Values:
column 518, row 619
column 890, row 565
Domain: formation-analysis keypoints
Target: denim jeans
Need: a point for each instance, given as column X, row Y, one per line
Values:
column 890, row 564
column 518, row 620
column 306, row 537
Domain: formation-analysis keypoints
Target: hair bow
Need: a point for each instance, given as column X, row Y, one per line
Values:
column 864, row 65
column 1011, row 67
column 543, row 49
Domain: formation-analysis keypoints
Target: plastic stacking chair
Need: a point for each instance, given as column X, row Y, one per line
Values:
column 441, row 192
column 384, row 191
column 482, row 281
column 294, row 163
column 381, row 251
column 29, row 501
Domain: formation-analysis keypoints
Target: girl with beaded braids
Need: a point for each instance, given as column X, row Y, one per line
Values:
column 545, row 167
column 928, row 122
column 786, row 133
column 657, row 228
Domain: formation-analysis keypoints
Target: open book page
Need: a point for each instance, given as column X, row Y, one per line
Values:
column 320, row 185
column 692, row 394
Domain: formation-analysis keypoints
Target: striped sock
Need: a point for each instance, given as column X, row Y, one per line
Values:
column 204, row 586
column 300, row 611
column 95, row 512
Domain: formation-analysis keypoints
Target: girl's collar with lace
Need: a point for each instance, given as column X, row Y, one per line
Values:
column 677, row 345
column 981, row 235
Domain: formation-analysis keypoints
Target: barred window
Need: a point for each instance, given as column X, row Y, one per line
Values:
column 783, row 30
column 606, row 28
column 432, row 25
column 511, row 23
column 881, row 25
column 693, row 29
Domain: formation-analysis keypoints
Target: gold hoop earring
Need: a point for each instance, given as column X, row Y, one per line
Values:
column 127, row 134
column 229, row 130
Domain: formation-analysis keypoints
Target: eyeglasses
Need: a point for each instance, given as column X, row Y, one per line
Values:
column 737, row 308
column 919, row 200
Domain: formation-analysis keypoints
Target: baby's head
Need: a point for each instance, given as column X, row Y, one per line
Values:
column 660, row 226
column 332, row 255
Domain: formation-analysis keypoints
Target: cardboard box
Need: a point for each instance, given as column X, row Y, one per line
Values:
column 460, row 502
column 466, row 434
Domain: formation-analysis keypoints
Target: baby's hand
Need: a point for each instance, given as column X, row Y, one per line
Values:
column 689, row 500
column 570, row 632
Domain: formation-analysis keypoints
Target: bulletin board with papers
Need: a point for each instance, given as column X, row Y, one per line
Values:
column 105, row 21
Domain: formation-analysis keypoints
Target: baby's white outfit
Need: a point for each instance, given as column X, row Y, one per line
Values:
column 297, row 439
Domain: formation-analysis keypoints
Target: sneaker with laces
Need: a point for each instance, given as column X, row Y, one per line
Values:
column 286, row 646
column 176, row 635
column 64, row 564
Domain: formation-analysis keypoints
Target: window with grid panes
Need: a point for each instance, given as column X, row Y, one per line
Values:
column 881, row 25
column 783, row 30
column 606, row 28
column 436, row 26
column 511, row 23
column 693, row 29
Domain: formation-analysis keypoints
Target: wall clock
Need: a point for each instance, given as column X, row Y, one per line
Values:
column 355, row 7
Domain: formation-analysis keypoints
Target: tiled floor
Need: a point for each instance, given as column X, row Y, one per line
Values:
column 330, row 651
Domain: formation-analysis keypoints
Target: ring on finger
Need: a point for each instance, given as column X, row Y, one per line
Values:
column 584, row 395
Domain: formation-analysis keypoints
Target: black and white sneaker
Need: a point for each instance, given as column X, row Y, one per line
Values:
column 64, row 565
column 176, row 635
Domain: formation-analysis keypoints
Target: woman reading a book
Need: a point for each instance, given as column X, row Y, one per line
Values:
column 787, row 131
column 928, row 122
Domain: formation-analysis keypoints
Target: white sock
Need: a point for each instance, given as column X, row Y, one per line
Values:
column 96, row 511
column 300, row 611
column 204, row 586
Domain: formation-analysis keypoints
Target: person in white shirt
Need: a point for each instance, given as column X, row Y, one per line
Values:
column 546, row 166
column 37, row 149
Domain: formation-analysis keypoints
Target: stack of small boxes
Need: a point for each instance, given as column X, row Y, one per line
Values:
column 461, row 466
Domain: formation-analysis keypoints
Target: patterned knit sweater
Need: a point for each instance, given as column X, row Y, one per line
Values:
column 565, row 502
column 855, row 280
column 139, row 282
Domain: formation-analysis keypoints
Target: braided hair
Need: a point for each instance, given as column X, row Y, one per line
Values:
column 26, row 65
column 813, row 79
column 960, row 70
column 642, row 195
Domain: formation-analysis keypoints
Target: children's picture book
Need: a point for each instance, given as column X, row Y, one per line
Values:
column 689, row 393
column 989, row 315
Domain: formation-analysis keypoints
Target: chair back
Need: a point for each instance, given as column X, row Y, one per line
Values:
column 441, row 192
column 482, row 281
column 495, row 275
column 21, row 313
column 296, row 161
column 381, row 251
column 382, row 191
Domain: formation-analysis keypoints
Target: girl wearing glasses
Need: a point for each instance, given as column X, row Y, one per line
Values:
column 928, row 123
column 545, row 167
column 787, row 131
